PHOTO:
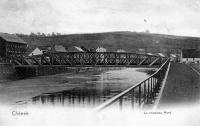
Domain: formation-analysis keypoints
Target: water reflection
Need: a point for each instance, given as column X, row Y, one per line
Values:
column 77, row 97
column 96, row 89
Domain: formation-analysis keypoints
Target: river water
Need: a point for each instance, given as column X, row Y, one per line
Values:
column 76, row 89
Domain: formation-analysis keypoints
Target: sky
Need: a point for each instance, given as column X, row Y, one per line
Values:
column 176, row 17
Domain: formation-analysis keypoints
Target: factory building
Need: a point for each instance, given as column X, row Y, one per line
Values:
column 11, row 45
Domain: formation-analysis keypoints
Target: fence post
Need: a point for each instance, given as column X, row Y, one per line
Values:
column 151, row 88
column 154, row 86
column 132, row 98
column 140, row 95
column 144, row 91
column 120, row 102
column 148, row 91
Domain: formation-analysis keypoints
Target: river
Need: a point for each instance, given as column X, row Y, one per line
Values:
column 76, row 89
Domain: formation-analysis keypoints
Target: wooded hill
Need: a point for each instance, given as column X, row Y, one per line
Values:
column 112, row 41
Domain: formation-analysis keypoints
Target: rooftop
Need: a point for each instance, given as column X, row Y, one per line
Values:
column 190, row 53
column 11, row 38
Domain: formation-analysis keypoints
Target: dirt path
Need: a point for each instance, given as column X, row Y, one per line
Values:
column 182, row 87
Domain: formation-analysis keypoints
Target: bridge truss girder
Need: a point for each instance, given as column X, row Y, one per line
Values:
column 90, row 59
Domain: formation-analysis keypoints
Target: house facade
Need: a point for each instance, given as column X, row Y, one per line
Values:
column 11, row 45
column 190, row 55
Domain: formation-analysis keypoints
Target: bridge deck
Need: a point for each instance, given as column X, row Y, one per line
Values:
column 182, row 87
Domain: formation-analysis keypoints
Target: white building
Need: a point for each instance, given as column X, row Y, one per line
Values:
column 36, row 51
column 149, row 54
column 141, row 51
column 100, row 49
column 121, row 50
column 40, row 50
column 79, row 49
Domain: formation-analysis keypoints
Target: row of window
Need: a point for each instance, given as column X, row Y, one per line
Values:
column 15, row 48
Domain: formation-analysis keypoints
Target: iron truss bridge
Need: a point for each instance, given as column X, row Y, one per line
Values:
column 90, row 59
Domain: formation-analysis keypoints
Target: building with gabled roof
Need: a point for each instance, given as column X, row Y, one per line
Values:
column 74, row 49
column 100, row 49
column 11, row 44
column 121, row 50
column 12, row 38
column 46, row 49
column 190, row 55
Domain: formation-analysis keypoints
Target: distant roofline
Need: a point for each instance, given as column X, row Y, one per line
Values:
column 12, row 38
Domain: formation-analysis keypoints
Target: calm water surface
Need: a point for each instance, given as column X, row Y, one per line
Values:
column 90, row 90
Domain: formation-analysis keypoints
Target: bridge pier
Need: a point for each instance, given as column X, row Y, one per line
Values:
column 7, row 71
column 32, row 71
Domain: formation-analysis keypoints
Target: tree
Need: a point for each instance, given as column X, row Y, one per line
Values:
column 58, row 34
column 38, row 33
column 43, row 34
column 32, row 34
column 53, row 34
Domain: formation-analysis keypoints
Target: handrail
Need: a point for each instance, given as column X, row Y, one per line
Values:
column 117, row 97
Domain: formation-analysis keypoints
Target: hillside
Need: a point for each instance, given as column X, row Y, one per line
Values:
column 129, row 41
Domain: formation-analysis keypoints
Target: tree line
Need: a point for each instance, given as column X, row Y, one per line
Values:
column 39, row 34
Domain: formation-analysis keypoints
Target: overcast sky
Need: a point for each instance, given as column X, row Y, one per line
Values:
column 178, row 17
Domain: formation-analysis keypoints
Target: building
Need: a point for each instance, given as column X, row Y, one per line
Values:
column 160, row 54
column 141, row 51
column 11, row 44
column 78, row 49
column 45, row 49
column 150, row 54
column 36, row 51
column 39, row 50
column 174, row 58
column 121, row 50
column 59, row 48
column 74, row 49
column 83, row 49
column 190, row 55
column 100, row 49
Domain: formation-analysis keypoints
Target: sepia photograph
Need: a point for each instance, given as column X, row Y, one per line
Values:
column 99, row 63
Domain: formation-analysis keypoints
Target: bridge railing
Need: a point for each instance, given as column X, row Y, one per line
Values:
column 140, row 95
